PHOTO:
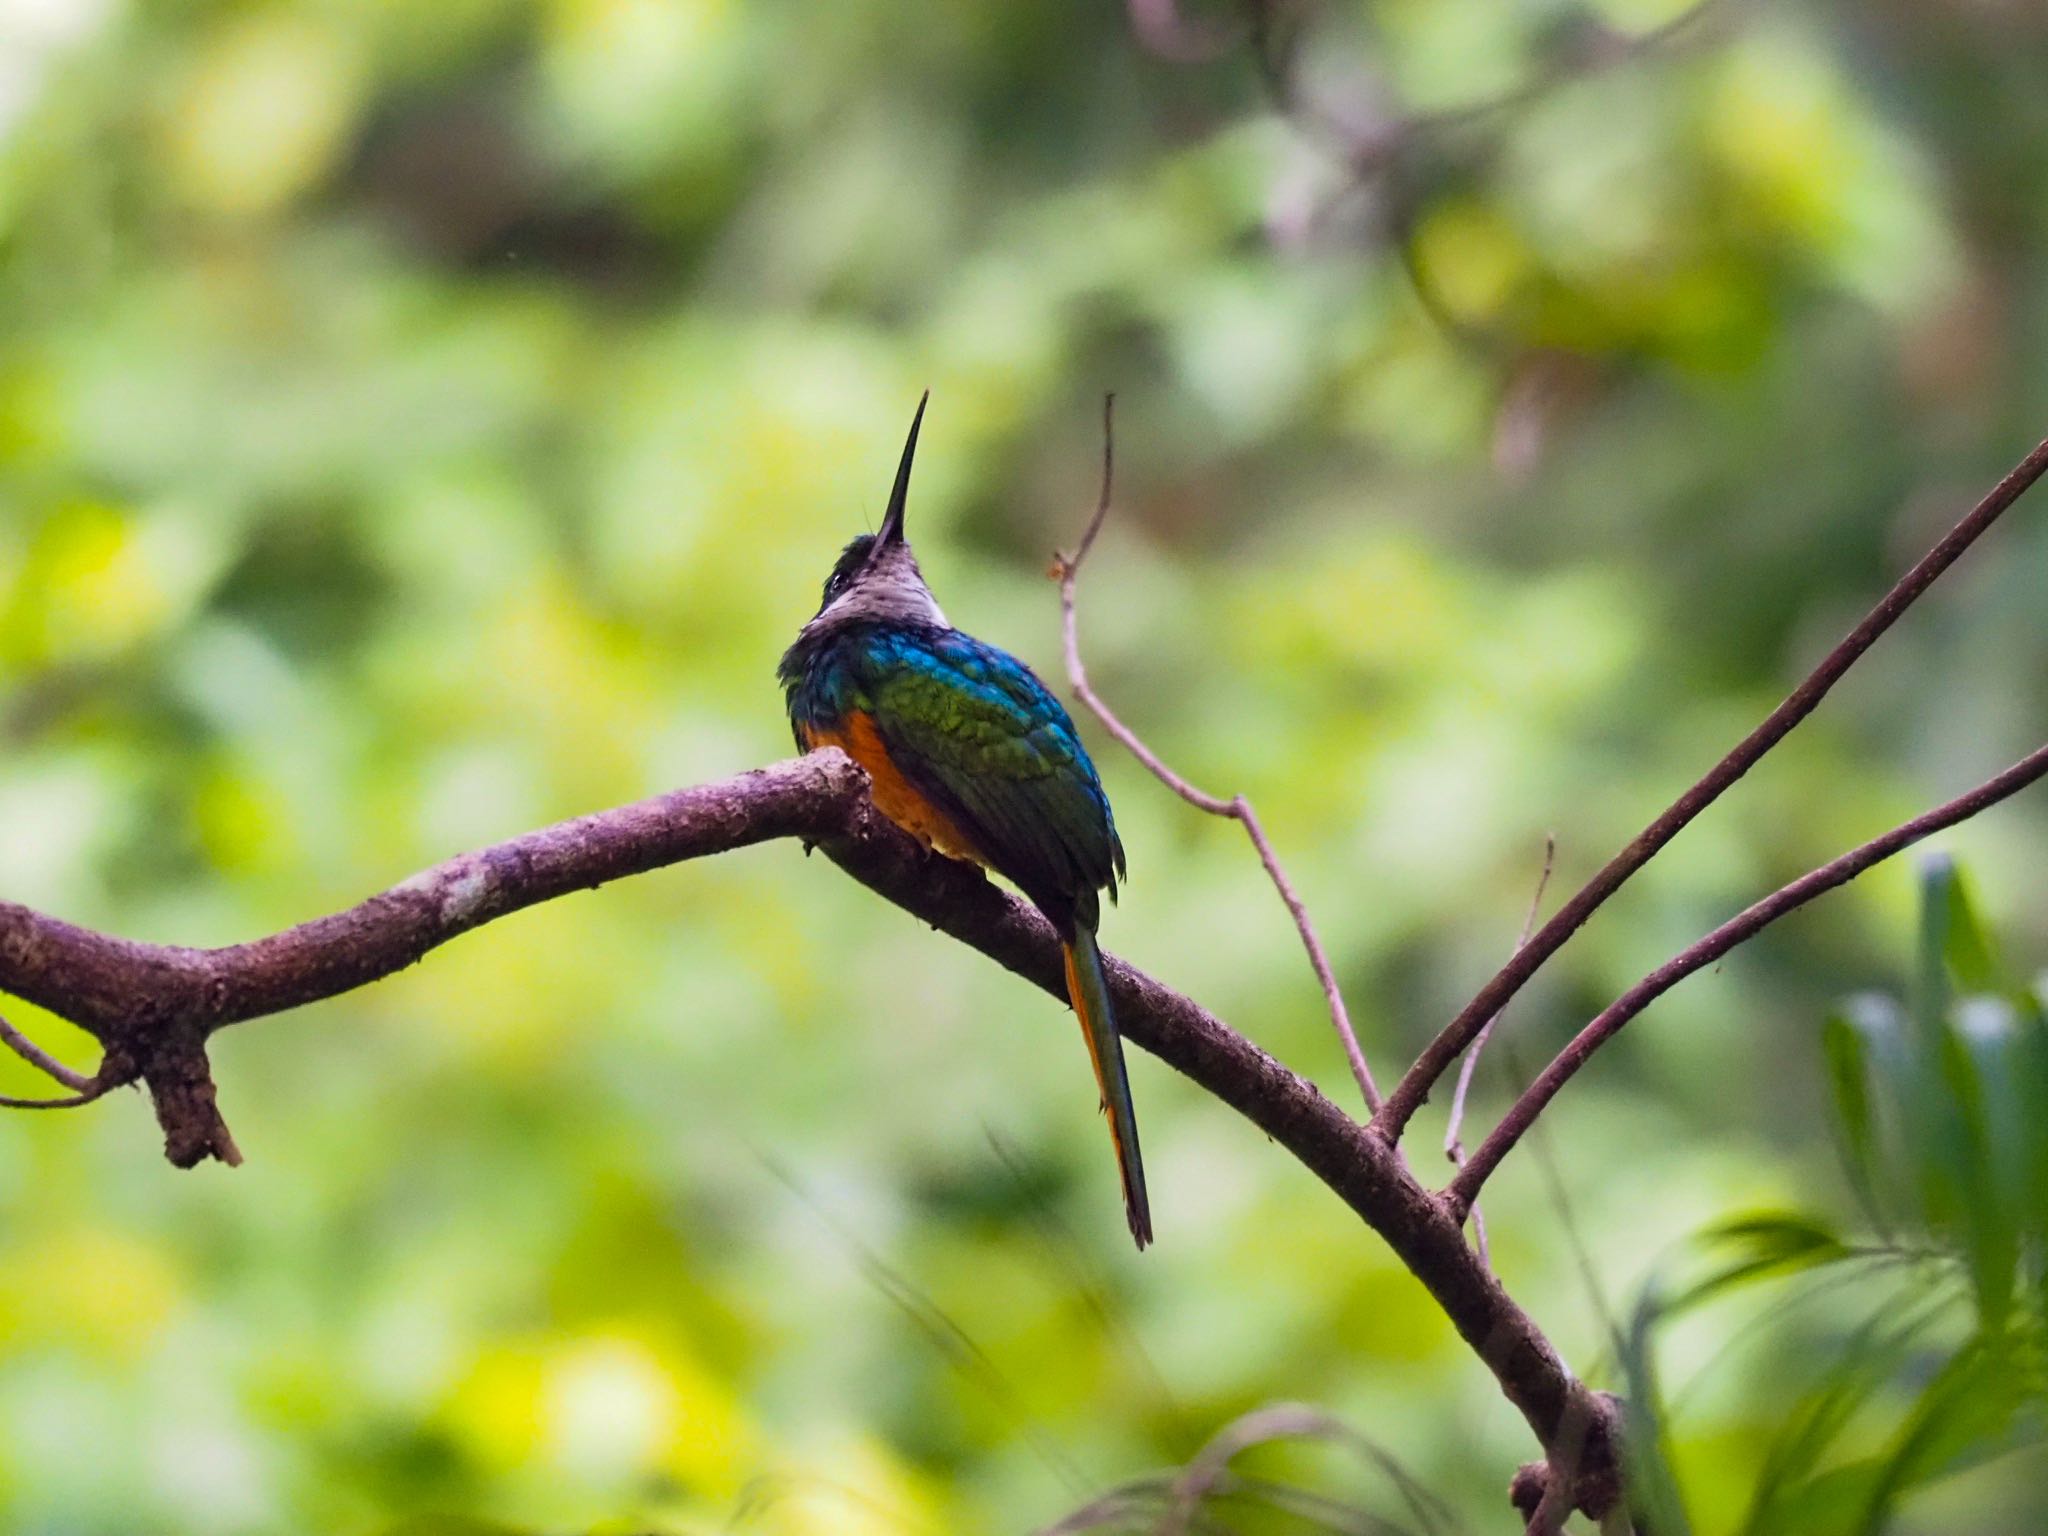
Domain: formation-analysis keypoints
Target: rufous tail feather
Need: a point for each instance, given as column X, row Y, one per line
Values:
column 1089, row 990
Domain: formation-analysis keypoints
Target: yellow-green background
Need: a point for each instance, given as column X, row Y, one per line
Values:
column 419, row 422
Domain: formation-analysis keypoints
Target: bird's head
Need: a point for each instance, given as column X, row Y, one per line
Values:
column 876, row 576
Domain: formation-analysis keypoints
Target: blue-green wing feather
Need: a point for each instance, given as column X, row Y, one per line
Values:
column 984, row 739
column 972, row 726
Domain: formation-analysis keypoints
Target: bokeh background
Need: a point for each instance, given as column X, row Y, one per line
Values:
column 422, row 422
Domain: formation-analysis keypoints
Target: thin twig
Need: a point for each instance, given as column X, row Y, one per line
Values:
column 1546, row 1492
column 1543, row 1150
column 1369, row 148
column 1414, row 1087
column 37, row 1057
column 1522, row 1114
column 69, row 1101
column 1239, row 809
column 1454, row 1148
column 1608, row 50
column 83, row 1089
column 1555, row 1507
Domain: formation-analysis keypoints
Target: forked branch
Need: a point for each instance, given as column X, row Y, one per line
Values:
column 1464, row 1189
column 1414, row 1088
column 1454, row 1144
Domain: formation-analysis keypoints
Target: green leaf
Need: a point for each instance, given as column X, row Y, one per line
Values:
column 1957, row 953
column 1797, row 1491
column 1871, row 1070
column 1983, row 1076
column 1766, row 1245
column 1965, row 1410
column 1846, row 1057
column 1969, row 949
column 1939, row 898
column 1652, row 1482
column 2030, row 1090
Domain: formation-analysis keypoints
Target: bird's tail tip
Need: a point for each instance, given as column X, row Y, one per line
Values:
column 1088, row 989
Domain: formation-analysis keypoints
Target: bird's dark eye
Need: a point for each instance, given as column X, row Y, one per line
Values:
column 851, row 561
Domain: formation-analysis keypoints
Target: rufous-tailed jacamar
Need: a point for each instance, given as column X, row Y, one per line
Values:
column 971, row 754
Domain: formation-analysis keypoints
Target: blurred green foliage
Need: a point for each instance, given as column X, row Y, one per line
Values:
column 1914, row 1352
column 419, row 422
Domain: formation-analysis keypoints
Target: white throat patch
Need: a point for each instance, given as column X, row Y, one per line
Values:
column 890, row 589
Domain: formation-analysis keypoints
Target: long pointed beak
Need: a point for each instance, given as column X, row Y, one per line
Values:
column 891, row 531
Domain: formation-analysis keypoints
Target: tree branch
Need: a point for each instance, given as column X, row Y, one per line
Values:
column 153, row 1008
column 1363, row 1171
column 1454, row 1146
column 1370, row 142
column 1067, row 570
column 43, row 1061
column 1464, row 1189
column 1413, row 1089
column 83, row 1089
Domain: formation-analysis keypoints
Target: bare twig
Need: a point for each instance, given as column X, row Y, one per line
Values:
column 1371, row 146
column 1553, row 1509
column 1566, row 1223
column 1414, row 1087
column 1454, row 1148
column 69, row 1101
column 1546, row 1492
column 37, row 1057
column 1067, row 568
column 1603, row 49
column 1522, row 1114
column 83, row 1089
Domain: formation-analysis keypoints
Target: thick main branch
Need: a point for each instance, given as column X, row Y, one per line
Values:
column 155, row 1005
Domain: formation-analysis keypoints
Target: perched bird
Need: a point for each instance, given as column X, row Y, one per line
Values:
column 971, row 754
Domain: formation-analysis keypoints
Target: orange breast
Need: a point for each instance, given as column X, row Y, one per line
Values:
column 895, row 796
